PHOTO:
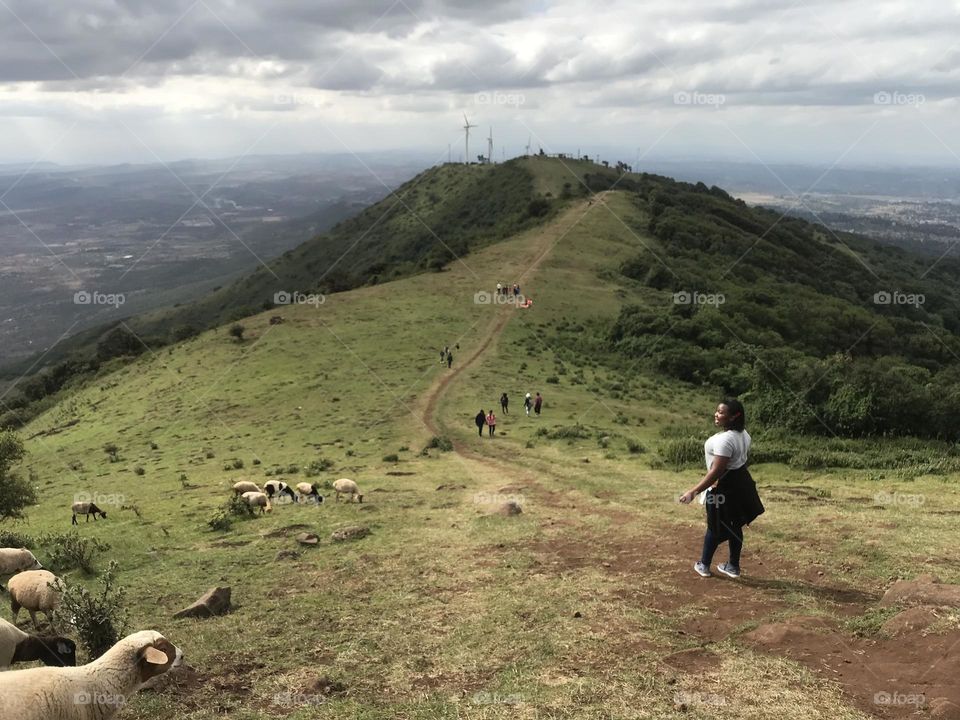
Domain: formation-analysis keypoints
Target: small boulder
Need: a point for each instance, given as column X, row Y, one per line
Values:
column 910, row 620
column 308, row 539
column 216, row 601
column 353, row 532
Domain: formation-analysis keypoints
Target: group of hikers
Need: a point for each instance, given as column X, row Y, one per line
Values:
column 489, row 420
column 446, row 356
column 504, row 290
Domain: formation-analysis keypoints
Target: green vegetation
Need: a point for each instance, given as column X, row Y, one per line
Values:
column 16, row 493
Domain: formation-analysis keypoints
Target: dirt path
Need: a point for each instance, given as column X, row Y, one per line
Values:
column 909, row 664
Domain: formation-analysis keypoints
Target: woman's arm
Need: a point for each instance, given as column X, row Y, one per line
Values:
column 717, row 469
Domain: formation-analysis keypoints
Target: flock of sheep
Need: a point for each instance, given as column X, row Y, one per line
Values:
column 100, row 688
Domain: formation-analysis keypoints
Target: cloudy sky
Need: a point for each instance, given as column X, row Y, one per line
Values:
column 855, row 81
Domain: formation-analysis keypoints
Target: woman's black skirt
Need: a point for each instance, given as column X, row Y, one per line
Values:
column 733, row 503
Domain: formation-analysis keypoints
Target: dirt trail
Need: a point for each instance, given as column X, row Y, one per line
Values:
column 909, row 664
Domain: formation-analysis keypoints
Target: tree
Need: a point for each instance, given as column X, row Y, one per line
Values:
column 16, row 494
column 237, row 331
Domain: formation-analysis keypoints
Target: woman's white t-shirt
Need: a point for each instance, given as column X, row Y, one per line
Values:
column 731, row 444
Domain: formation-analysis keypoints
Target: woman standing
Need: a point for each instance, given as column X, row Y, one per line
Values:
column 492, row 422
column 731, row 499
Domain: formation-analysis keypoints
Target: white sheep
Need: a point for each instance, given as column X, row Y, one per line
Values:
column 239, row 488
column 35, row 591
column 96, row 691
column 278, row 487
column 17, row 646
column 88, row 509
column 257, row 499
column 343, row 486
column 308, row 490
column 14, row 560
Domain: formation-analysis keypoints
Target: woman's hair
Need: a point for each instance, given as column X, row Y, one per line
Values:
column 737, row 412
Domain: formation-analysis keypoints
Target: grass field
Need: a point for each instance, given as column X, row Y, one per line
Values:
column 583, row 606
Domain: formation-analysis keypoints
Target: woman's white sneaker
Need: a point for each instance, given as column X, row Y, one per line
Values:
column 729, row 570
column 702, row 570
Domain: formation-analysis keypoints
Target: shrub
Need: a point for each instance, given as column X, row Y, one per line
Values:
column 99, row 617
column 237, row 506
column 553, row 380
column 318, row 466
column 682, row 452
column 634, row 447
column 16, row 493
column 220, row 520
column 568, row 432
column 139, row 470
column 292, row 469
column 237, row 331
column 392, row 457
column 10, row 539
column 443, row 444
column 256, row 461
column 209, row 454
column 69, row 551
column 112, row 451
column 237, row 464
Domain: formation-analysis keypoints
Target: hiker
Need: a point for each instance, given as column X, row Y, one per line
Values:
column 516, row 290
column 443, row 355
column 504, row 402
column 731, row 498
column 449, row 359
column 491, row 422
column 481, row 420
column 527, row 403
column 499, row 289
column 537, row 404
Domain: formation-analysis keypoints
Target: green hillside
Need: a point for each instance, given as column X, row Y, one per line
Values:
column 582, row 606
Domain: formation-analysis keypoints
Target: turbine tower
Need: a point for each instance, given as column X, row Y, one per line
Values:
column 490, row 147
column 466, row 129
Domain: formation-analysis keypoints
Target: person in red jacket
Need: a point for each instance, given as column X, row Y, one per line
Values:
column 491, row 422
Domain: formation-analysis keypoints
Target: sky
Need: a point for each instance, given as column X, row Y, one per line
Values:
column 832, row 82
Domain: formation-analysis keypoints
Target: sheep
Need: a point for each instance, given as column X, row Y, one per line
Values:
column 88, row 509
column 278, row 487
column 243, row 486
column 343, row 486
column 14, row 560
column 308, row 490
column 257, row 499
column 96, row 691
column 36, row 591
column 17, row 646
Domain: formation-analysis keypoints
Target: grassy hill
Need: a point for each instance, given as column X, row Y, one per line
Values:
column 582, row 606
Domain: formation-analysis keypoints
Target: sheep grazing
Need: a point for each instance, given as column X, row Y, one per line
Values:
column 35, row 591
column 14, row 560
column 17, row 646
column 307, row 490
column 244, row 486
column 88, row 509
column 278, row 487
column 96, row 691
column 343, row 486
column 257, row 499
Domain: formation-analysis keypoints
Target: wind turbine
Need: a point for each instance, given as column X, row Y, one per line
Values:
column 529, row 137
column 466, row 148
column 490, row 147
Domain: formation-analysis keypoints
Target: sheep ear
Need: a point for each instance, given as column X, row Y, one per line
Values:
column 155, row 657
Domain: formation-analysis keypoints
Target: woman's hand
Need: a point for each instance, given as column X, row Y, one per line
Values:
column 687, row 497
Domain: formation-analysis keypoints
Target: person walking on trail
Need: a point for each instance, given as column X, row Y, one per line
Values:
column 449, row 358
column 537, row 404
column 731, row 498
column 492, row 423
column 443, row 356
column 481, row 421
column 527, row 403
column 504, row 402
column 499, row 289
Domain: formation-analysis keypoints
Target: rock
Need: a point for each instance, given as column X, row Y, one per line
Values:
column 308, row 539
column 510, row 508
column 788, row 631
column 924, row 590
column 216, row 601
column 943, row 709
column 910, row 620
column 353, row 532
column 286, row 555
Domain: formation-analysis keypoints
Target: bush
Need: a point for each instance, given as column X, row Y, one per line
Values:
column 392, row 457
column 69, row 551
column 318, row 466
column 292, row 469
column 553, row 380
column 16, row 493
column 634, row 447
column 139, row 470
column 237, row 331
column 10, row 539
column 220, row 520
column 568, row 432
column 237, row 507
column 99, row 617
column 443, row 444
column 682, row 452
column 112, row 451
